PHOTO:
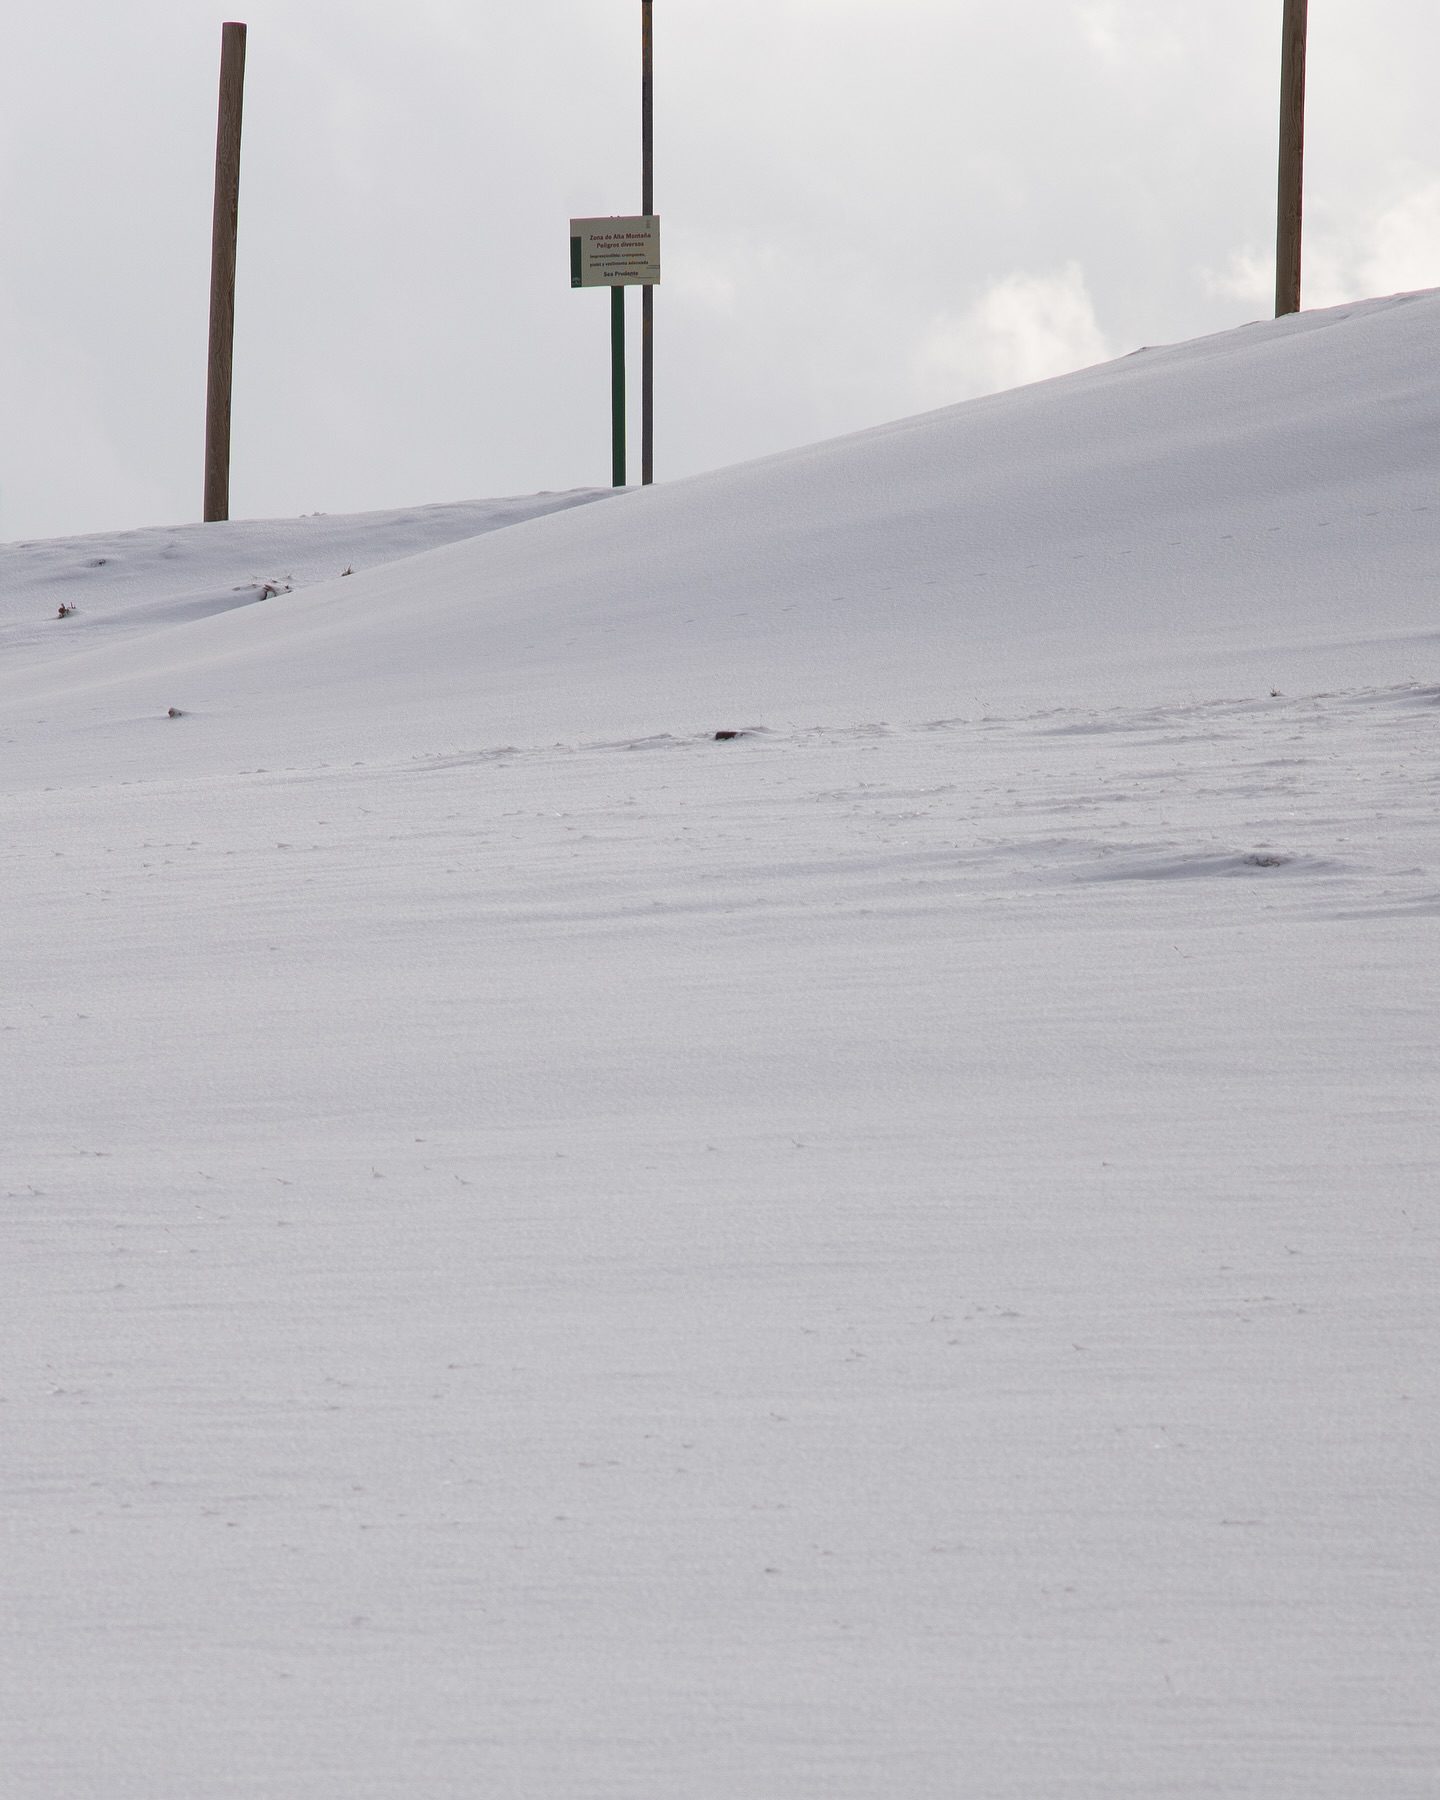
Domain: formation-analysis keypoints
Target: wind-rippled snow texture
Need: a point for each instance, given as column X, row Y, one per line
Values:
column 552, row 1255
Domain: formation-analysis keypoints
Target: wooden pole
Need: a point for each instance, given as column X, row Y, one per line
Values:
column 224, row 233
column 1290, row 199
column 647, row 206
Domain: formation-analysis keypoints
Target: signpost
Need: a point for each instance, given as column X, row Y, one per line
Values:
column 616, row 253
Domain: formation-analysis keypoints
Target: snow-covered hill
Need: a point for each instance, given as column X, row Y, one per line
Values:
column 121, row 583
column 553, row 1254
column 1252, row 511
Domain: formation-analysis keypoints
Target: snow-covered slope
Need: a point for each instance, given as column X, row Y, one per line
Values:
column 120, row 583
column 888, row 1255
column 1250, row 511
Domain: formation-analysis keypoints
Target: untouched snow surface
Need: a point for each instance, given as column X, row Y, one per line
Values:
column 549, row 1255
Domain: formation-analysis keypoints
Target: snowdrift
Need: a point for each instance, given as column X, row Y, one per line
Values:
column 1248, row 511
column 888, row 1257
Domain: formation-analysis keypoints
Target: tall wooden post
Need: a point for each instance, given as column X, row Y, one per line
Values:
column 647, row 206
column 224, row 233
column 1290, row 199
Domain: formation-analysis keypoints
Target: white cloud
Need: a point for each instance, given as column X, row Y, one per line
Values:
column 1128, row 37
column 1023, row 328
column 1400, row 250
column 706, row 279
column 1392, row 252
column 1249, row 277
column 63, row 440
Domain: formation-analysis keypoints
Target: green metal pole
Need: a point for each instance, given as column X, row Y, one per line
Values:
column 647, row 206
column 617, row 385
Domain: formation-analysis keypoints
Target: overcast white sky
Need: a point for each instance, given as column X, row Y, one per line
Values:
column 870, row 207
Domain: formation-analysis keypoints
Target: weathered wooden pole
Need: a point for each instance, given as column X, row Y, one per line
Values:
column 224, row 233
column 1290, row 199
column 647, row 206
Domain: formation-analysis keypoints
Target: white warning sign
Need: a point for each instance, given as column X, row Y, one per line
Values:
column 615, row 252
